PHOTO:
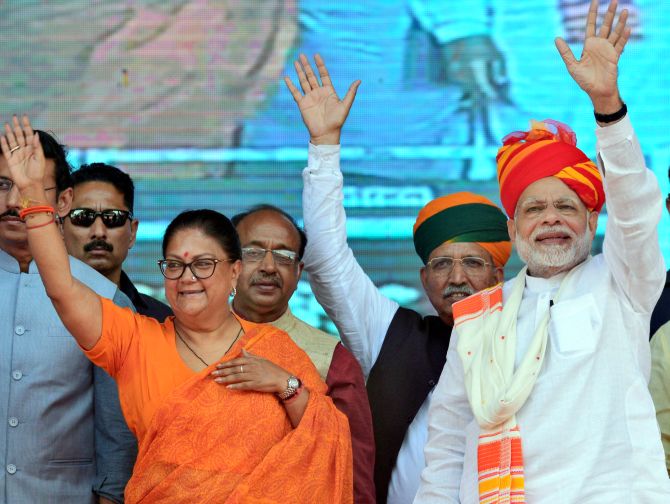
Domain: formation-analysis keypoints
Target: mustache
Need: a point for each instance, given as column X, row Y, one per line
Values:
column 98, row 244
column 458, row 289
column 263, row 278
column 552, row 229
column 12, row 212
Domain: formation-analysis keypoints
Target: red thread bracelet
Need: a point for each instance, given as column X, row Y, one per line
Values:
column 50, row 221
column 35, row 209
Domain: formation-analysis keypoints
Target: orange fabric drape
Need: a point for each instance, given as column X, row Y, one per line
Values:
column 206, row 443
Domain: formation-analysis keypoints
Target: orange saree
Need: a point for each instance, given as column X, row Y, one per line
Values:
column 208, row 444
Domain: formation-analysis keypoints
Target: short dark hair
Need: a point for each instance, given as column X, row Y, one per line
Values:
column 101, row 172
column 271, row 208
column 214, row 224
column 58, row 153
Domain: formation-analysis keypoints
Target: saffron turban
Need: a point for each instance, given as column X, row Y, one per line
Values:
column 462, row 217
column 549, row 149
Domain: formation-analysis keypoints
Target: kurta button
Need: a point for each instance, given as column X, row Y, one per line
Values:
column 11, row 468
column 19, row 329
column 431, row 383
column 17, row 375
column 13, row 421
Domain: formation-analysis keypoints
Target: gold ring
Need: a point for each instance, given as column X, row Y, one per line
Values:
column 14, row 149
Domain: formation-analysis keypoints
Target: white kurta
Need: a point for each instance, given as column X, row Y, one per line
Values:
column 361, row 313
column 588, row 429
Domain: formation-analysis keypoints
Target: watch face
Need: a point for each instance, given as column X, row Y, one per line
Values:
column 293, row 382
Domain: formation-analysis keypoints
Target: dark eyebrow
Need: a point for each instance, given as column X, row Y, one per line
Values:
column 280, row 246
column 204, row 255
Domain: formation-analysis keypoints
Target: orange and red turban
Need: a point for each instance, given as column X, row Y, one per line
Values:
column 549, row 149
column 462, row 217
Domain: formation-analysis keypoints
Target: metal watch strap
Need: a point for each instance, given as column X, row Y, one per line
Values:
column 292, row 385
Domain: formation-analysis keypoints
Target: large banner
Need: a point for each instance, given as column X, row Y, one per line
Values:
column 187, row 97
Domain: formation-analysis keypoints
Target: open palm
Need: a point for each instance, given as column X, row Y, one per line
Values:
column 23, row 152
column 322, row 110
column 597, row 70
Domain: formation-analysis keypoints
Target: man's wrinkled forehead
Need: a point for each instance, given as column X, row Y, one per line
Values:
column 99, row 195
column 557, row 200
column 548, row 190
column 264, row 227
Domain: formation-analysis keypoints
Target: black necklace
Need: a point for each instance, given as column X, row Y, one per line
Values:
column 193, row 351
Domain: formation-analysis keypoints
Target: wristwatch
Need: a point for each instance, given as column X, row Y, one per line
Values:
column 292, row 385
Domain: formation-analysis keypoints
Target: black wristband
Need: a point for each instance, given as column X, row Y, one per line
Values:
column 609, row 118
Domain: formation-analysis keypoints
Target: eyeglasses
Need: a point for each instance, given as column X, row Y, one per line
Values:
column 111, row 218
column 7, row 184
column 445, row 265
column 201, row 268
column 257, row 254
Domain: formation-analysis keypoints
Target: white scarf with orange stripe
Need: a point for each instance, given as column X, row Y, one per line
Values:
column 496, row 391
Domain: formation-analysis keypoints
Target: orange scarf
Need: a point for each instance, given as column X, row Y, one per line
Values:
column 497, row 389
column 207, row 443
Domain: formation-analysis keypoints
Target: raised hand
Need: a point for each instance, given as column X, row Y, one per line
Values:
column 322, row 111
column 597, row 70
column 23, row 152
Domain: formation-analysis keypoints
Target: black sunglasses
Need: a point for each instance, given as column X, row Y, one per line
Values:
column 85, row 217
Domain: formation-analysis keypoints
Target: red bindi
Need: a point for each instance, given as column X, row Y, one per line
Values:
column 185, row 255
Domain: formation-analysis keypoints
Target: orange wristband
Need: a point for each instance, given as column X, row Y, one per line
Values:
column 36, row 209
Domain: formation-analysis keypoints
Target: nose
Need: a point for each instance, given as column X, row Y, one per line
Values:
column 190, row 276
column 457, row 275
column 13, row 198
column 268, row 263
column 98, row 228
column 551, row 216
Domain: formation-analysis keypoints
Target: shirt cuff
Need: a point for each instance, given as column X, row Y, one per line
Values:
column 110, row 486
column 323, row 158
column 614, row 134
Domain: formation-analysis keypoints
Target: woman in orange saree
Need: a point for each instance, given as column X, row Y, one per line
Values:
column 203, row 442
column 221, row 415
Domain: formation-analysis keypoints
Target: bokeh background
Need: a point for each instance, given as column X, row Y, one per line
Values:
column 186, row 96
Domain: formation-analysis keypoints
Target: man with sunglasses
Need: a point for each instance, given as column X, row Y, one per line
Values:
column 272, row 249
column 64, row 434
column 463, row 242
column 100, row 229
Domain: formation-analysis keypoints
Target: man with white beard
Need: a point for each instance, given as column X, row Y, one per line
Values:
column 543, row 398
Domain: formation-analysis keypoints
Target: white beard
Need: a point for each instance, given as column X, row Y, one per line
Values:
column 547, row 260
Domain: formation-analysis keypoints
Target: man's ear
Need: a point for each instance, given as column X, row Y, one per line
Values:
column 593, row 223
column 424, row 276
column 301, row 266
column 134, row 224
column 64, row 203
column 511, row 229
column 500, row 274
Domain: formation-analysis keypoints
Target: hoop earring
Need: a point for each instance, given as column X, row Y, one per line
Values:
column 233, row 292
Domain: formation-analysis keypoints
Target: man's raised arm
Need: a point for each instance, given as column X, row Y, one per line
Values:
column 634, row 201
column 360, row 312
